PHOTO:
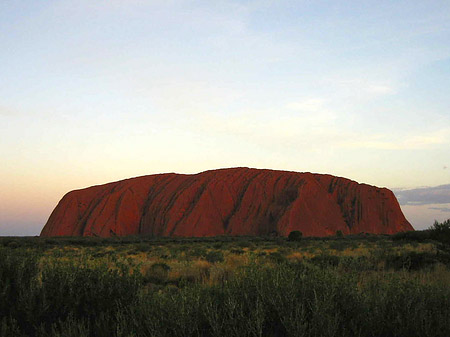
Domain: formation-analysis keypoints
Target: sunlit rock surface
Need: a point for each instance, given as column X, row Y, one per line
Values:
column 235, row 201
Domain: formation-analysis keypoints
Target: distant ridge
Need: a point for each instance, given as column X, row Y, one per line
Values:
column 233, row 201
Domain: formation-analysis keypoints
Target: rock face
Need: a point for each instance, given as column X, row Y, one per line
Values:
column 236, row 201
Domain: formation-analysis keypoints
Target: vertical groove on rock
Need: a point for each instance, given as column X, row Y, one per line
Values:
column 153, row 193
column 95, row 202
column 192, row 205
column 238, row 201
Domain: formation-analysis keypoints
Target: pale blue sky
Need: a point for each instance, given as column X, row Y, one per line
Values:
column 96, row 91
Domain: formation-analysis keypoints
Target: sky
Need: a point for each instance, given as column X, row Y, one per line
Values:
column 98, row 91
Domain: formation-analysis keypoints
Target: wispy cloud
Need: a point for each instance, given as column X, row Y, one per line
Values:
column 424, row 195
column 442, row 209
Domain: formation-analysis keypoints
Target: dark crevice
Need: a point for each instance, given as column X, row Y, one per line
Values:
column 92, row 206
column 154, row 192
column 192, row 205
column 238, row 202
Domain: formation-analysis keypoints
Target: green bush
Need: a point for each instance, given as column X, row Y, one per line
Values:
column 441, row 231
column 295, row 236
column 338, row 245
column 325, row 260
column 158, row 273
column 237, row 251
column 198, row 251
column 416, row 261
column 277, row 257
column 18, row 284
column 214, row 256
column 142, row 247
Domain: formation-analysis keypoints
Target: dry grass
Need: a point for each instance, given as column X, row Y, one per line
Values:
column 183, row 266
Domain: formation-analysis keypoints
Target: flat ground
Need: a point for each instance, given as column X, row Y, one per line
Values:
column 366, row 285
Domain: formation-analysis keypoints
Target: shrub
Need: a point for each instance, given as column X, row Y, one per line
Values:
column 18, row 273
column 198, row 252
column 416, row 260
column 237, row 251
column 325, row 260
column 295, row 236
column 157, row 273
column 218, row 245
column 277, row 257
column 214, row 256
column 419, row 236
column 338, row 245
column 198, row 272
column 441, row 227
column 9, row 327
column 85, row 292
column 441, row 231
column 142, row 247
column 13, row 244
column 242, row 244
column 438, row 232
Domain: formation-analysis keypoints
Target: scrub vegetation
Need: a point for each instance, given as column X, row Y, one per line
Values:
column 361, row 285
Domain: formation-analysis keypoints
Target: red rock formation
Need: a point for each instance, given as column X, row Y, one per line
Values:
column 236, row 201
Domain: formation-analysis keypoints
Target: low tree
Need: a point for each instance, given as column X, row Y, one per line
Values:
column 440, row 231
column 295, row 236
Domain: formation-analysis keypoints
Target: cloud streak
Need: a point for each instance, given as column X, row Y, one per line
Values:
column 425, row 196
column 442, row 209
